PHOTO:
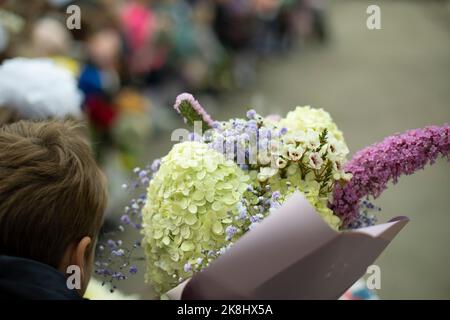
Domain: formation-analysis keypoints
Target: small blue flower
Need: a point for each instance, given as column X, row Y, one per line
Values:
column 216, row 125
column 118, row 253
column 155, row 165
column 125, row 219
column 276, row 195
column 244, row 167
column 252, row 125
column 230, row 231
column 251, row 114
column 112, row 244
column 253, row 225
column 133, row 270
column 143, row 174
column 187, row 267
column 118, row 276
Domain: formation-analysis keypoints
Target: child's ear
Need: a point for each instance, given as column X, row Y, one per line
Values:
column 75, row 254
column 80, row 258
column 80, row 253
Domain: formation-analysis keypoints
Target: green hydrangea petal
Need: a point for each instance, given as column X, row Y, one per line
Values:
column 189, row 199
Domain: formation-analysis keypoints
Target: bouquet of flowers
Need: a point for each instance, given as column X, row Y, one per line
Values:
column 206, row 199
column 209, row 191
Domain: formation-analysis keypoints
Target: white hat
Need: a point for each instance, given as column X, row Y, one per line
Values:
column 39, row 89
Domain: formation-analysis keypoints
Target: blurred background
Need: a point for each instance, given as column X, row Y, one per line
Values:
column 132, row 57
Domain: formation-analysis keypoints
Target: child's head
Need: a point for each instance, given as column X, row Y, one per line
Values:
column 52, row 195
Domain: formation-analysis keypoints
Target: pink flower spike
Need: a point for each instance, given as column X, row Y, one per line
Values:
column 195, row 112
column 374, row 166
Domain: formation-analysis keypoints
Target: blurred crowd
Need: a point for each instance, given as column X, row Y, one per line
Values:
column 132, row 56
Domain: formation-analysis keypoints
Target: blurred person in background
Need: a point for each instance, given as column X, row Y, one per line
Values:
column 37, row 89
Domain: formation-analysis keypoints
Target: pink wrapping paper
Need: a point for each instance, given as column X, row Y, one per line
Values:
column 292, row 254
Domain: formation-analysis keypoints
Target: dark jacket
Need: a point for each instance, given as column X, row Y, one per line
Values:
column 27, row 279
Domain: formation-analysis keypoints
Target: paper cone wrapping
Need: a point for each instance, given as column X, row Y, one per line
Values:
column 291, row 254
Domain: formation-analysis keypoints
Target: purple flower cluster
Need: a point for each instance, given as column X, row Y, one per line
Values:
column 242, row 140
column 111, row 262
column 113, row 256
column 373, row 167
column 230, row 231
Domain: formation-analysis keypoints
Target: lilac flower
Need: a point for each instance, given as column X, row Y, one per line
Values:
column 133, row 270
column 142, row 174
column 103, row 272
column 240, row 126
column 373, row 167
column 112, row 244
column 263, row 144
column 118, row 276
column 193, row 136
column 276, row 195
column 256, row 218
column 155, row 165
column 253, row 225
column 274, row 206
column 191, row 110
column 118, row 253
column 265, row 133
column 229, row 133
column 187, row 267
column 251, row 114
column 365, row 218
column 252, row 125
column 218, row 145
column 242, row 211
column 230, row 231
column 244, row 167
column 145, row 182
column 125, row 219
column 137, row 226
